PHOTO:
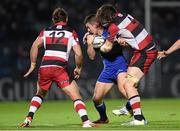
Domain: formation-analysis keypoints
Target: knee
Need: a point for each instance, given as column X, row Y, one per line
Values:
column 128, row 85
column 41, row 93
column 97, row 99
column 122, row 91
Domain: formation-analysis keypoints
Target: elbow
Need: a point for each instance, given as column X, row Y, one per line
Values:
column 91, row 55
column 80, row 57
column 79, row 54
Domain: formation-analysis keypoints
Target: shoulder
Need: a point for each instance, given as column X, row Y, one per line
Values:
column 113, row 27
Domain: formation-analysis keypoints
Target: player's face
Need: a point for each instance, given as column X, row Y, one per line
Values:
column 92, row 28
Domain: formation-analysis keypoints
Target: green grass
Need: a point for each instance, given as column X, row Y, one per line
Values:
column 162, row 114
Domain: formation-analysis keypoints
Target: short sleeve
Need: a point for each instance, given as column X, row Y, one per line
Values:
column 76, row 39
column 113, row 31
column 41, row 34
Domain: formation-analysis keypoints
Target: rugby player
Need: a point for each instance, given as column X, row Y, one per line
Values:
column 125, row 27
column 57, row 40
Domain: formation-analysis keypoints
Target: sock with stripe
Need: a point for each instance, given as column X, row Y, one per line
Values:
column 81, row 110
column 35, row 105
column 136, row 107
column 101, row 108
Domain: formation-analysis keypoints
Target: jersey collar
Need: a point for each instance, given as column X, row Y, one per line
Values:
column 60, row 23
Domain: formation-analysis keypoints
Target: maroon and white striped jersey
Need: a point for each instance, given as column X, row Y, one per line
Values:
column 131, row 30
column 58, row 41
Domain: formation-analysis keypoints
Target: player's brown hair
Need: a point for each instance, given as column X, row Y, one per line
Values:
column 105, row 14
column 59, row 14
column 90, row 18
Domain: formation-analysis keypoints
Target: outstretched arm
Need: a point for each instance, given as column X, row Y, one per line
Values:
column 172, row 49
column 33, row 54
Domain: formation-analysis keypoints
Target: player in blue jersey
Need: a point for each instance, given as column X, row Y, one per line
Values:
column 171, row 49
column 115, row 67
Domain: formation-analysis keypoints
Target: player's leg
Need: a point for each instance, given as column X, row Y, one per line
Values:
column 125, row 110
column 121, row 82
column 72, row 90
column 35, row 104
column 140, row 64
column 101, row 89
column 43, row 85
column 134, row 74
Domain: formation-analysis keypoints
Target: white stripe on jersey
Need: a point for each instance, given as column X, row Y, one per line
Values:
column 129, row 37
column 67, row 34
column 141, row 36
column 60, row 54
column 51, row 66
column 125, row 22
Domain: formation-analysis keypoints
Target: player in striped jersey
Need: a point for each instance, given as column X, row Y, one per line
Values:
column 125, row 28
column 58, row 41
column 173, row 48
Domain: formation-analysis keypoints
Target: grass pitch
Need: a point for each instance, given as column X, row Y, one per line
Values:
column 162, row 114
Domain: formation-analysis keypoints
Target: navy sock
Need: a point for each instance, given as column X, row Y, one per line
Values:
column 128, row 106
column 30, row 114
column 101, row 108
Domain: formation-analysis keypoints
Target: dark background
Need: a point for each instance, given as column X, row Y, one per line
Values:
column 22, row 20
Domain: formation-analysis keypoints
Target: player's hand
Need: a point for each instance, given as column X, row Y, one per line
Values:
column 122, row 41
column 77, row 72
column 85, row 37
column 161, row 54
column 33, row 65
column 90, row 39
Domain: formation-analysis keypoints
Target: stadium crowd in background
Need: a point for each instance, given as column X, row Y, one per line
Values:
column 22, row 20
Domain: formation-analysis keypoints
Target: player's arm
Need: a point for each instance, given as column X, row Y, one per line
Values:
column 78, row 55
column 33, row 54
column 122, row 41
column 109, row 36
column 78, row 60
column 108, row 44
column 90, row 50
column 172, row 49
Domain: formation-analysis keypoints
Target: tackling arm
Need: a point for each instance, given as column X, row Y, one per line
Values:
column 106, row 47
